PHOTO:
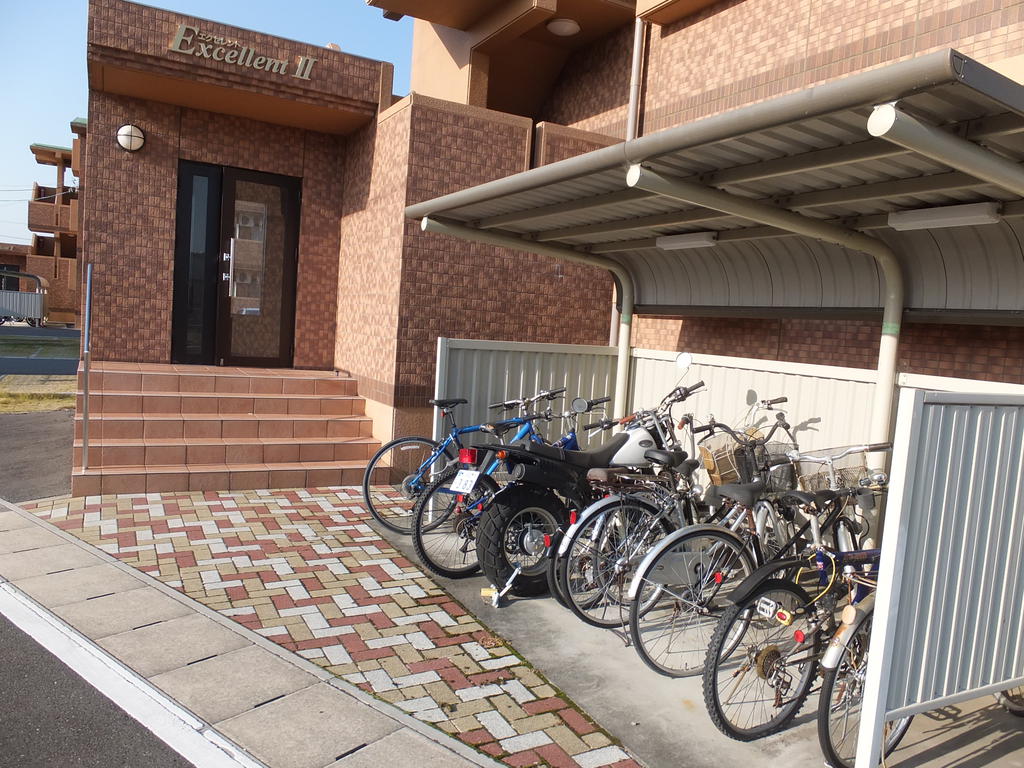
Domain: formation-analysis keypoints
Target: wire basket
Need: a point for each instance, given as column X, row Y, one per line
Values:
column 850, row 470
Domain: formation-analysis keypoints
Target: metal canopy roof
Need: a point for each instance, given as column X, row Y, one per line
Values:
column 810, row 153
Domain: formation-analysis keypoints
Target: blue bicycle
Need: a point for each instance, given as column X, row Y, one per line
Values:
column 401, row 470
column 448, row 512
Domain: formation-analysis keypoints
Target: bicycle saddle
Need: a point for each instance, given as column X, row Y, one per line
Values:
column 742, row 493
column 450, row 403
column 596, row 459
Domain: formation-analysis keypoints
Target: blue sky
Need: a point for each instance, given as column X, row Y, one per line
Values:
column 42, row 53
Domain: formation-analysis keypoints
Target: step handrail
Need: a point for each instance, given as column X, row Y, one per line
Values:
column 86, row 356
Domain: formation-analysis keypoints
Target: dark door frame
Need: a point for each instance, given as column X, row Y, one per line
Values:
column 216, row 337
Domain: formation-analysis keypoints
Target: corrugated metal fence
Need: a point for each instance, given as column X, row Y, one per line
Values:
column 950, row 610
column 491, row 371
column 828, row 406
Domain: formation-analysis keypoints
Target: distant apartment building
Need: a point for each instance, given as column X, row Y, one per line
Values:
column 55, row 218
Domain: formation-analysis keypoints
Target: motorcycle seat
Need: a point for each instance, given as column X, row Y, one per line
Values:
column 665, row 458
column 595, row 459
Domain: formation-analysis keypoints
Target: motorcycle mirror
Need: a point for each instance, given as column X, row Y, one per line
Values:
column 579, row 405
column 684, row 360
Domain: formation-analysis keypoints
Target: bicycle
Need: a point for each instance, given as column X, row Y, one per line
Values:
column 410, row 464
column 763, row 656
column 448, row 512
column 600, row 550
column 679, row 588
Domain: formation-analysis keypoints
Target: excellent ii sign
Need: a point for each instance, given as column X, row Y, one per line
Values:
column 192, row 41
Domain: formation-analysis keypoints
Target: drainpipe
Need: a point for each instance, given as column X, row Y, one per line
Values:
column 624, row 283
column 881, row 407
column 889, row 123
column 635, row 75
column 632, row 131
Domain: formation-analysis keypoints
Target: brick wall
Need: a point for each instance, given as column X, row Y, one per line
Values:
column 987, row 352
column 463, row 290
column 373, row 185
column 741, row 51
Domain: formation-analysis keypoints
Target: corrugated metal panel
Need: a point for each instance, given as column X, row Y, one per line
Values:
column 957, row 613
column 491, row 371
column 734, row 383
column 23, row 304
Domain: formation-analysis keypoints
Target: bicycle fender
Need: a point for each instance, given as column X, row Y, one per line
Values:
column 753, row 581
column 668, row 541
column 861, row 612
column 597, row 508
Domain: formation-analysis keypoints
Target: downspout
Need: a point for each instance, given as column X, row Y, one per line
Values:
column 632, row 131
column 879, row 429
column 623, row 279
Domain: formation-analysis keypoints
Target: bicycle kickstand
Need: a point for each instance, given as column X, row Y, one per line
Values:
column 496, row 598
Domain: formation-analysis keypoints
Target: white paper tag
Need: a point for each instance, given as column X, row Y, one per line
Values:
column 465, row 481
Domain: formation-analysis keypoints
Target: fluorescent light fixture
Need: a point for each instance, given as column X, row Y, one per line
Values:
column 563, row 27
column 945, row 216
column 689, row 240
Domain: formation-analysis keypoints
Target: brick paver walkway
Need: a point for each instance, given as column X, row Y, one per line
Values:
column 305, row 570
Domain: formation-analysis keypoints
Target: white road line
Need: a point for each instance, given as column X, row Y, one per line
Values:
column 187, row 735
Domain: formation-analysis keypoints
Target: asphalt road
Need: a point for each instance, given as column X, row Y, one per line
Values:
column 52, row 717
column 35, row 455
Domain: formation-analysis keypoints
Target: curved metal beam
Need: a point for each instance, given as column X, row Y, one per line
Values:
column 762, row 213
column 624, row 283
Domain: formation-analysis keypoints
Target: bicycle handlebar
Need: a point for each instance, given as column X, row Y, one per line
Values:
column 602, row 424
column 776, row 401
column 705, row 428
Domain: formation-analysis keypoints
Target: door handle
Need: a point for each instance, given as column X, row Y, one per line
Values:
column 229, row 276
column 225, row 276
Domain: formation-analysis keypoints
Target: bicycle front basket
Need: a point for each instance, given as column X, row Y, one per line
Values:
column 850, row 470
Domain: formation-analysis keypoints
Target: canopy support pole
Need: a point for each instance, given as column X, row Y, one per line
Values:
column 697, row 194
column 624, row 284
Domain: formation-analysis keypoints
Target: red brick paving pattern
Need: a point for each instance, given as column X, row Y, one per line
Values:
column 304, row 569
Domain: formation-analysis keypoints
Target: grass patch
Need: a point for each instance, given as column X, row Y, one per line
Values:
column 19, row 346
column 26, row 394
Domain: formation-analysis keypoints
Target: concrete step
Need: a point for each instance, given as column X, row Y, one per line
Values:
column 174, row 451
column 132, row 377
column 157, row 426
column 215, row 477
column 189, row 403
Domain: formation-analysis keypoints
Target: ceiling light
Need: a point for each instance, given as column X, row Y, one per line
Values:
column 945, row 216
column 563, row 27
column 684, row 242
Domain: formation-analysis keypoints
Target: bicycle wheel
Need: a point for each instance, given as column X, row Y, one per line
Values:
column 444, row 534
column 839, row 706
column 1012, row 700
column 511, row 535
column 396, row 476
column 554, row 570
column 757, row 675
column 601, row 558
column 682, row 594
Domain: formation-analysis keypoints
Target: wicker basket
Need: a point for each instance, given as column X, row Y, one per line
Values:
column 728, row 462
column 850, row 470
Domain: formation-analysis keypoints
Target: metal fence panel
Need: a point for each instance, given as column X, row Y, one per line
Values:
column 23, row 304
column 828, row 406
column 950, row 610
column 490, row 371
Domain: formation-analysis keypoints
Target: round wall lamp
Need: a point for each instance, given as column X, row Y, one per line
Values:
column 563, row 27
column 130, row 138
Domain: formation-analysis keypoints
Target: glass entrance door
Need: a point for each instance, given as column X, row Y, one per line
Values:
column 237, row 242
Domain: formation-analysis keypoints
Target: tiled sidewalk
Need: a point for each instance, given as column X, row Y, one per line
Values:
column 304, row 569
